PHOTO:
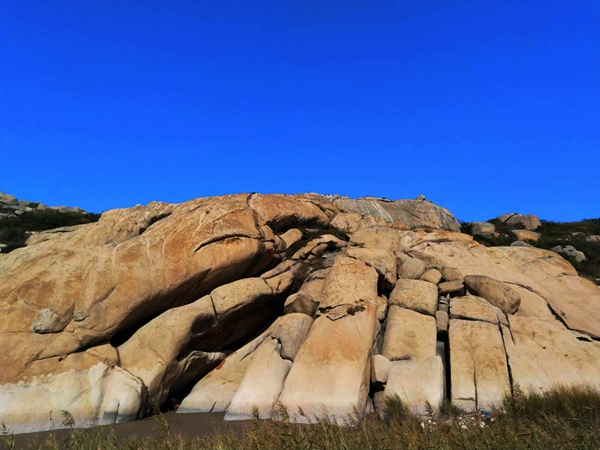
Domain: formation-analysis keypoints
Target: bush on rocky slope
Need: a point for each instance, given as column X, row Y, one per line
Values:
column 555, row 234
column 14, row 230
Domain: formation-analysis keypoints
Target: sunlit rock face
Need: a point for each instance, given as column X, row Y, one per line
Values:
column 310, row 304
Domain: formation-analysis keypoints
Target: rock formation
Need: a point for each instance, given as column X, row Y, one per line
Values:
column 320, row 305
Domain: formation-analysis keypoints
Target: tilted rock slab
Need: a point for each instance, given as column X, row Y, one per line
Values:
column 184, row 343
column 213, row 393
column 102, row 282
column 98, row 395
column 476, row 308
column 80, row 288
column 331, row 372
column 263, row 381
column 544, row 353
column 496, row 292
column 414, row 213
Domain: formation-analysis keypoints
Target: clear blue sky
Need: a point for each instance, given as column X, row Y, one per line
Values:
column 485, row 107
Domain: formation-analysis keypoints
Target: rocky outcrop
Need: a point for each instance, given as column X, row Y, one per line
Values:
column 571, row 252
column 254, row 300
column 10, row 206
column 483, row 229
column 526, row 235
column 529, row 222
column 412, row 213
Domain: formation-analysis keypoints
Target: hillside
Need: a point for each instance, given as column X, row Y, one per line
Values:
column 20, row 218
column 324, row 304
column 578, row 242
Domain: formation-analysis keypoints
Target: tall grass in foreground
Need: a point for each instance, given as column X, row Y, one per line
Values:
column 564, row 418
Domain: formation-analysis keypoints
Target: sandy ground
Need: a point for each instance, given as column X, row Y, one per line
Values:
column 189, row 425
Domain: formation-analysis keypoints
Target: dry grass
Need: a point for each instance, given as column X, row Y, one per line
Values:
column 564, row 418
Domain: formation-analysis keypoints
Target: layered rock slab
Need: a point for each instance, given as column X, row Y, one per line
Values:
column 184, row 343
column 419, row 384
column 409, row 335
column 544, row 354
column 479, row 369
column 418, row 295
column 213, row 393
column 98, row 395
column 262, row 383
column 331, row 372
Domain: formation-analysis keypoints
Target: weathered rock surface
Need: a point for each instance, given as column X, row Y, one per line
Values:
column 96, row 395
column 417, row 383
column 213, row 393
column 476, row 308
column 318, row 246
column 262, row 383
column 101, row 319
column 301, row 302
column 351, row 222
column 380, row 369
column 417, row 295
column 432, row 276
column 451, row 288
column 479, row 370
column 410, row 267
column 541, row 272
column 414, row 213
column 453, row 274
column 442, row 320
column 331, row 372
column 383, row 261
column 544, row 353
column 408, row 335
column 496, row 292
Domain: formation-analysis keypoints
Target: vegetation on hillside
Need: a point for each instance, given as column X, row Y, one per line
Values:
column 553, row 234
column 564, row 418
column 14, row 230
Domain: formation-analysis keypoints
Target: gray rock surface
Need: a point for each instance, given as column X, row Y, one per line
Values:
column 571, row 252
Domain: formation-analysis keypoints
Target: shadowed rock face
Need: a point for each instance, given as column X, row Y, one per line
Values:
column 223, row 295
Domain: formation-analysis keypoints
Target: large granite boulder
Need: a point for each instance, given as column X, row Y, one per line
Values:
column 529, row 222
column 494, row 291
column 114, row 281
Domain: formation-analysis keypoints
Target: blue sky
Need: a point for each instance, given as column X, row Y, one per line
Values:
column 484, row 107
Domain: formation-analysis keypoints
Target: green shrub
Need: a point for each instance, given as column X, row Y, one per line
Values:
column 552, row 235
column 13, row 230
